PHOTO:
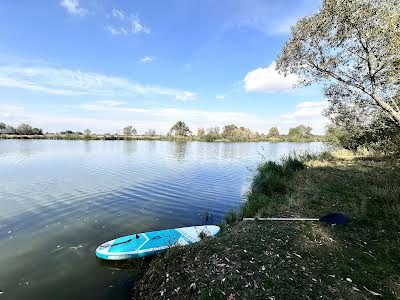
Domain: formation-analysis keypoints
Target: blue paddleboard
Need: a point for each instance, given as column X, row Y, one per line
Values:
column 149, row 243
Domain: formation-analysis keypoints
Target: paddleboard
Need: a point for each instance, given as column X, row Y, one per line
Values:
column 150, row 243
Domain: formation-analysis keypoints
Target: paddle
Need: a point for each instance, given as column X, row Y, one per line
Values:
column 336, row 218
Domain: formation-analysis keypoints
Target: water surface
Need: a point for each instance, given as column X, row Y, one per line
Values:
column 60, row 199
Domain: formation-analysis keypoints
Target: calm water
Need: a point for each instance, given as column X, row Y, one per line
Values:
column 60, row 199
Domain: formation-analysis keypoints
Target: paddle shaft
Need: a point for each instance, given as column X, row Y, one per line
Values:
column 280, row 219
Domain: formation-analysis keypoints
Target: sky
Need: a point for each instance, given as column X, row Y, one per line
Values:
column 103, row 65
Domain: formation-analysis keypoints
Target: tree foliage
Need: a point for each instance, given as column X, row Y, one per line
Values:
column 180, row 129
column 353, row 47
column 2, row 125
column 129, row 131
column 273, row 132
column 201, row 132
column 300, row 131
column 87, row 132
column 27, row 129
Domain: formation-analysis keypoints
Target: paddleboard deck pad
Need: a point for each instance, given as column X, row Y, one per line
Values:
column 149, row 243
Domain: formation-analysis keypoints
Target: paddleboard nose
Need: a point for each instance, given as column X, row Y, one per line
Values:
column 213, row 229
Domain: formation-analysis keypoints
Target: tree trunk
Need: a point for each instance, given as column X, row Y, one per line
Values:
column 392, row 112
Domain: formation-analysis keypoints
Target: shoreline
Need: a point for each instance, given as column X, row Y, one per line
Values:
column 296, row 260
column 107, row 137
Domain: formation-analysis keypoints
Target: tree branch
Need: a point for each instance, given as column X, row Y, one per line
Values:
column 382, row 103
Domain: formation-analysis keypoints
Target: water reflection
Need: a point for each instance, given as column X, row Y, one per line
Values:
column 87, row 146
column 180, row 150
column 130, row 147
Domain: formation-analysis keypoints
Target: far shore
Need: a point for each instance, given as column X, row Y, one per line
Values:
column 54, row 136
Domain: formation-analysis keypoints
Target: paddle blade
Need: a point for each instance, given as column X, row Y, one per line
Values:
column 335, row 218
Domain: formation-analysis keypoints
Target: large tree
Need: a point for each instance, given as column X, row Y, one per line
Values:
column 24, row 129
column 353, row 47
column 300, row 131
column 129, row 130
column 180, row 128
column 273, row 132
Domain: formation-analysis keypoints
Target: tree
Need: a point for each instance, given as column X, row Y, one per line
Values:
column 129, row 130
column 180, row 129
column 273, row 132
column 87, row 133
column 201, row 132
column 337, row 136
column 150, row 132
column 2, row 125
column 24, row 129
column 10, row 128
column 213, row 130
column 229, row 130
column 353, row 47
column 37, row 131
column 300, row 131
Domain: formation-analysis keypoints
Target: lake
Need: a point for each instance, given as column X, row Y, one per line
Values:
column 60, row 199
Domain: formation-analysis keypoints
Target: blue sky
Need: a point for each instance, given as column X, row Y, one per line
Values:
column 102, row 65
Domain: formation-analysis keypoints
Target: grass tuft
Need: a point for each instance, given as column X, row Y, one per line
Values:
column 270, row 181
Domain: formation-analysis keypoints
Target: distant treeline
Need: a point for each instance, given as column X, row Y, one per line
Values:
column 179, row 131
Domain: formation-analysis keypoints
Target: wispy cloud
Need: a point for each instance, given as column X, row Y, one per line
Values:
column 7, row 111
column 110, row 106
column 147, row 59
column 125, row 24
column 268, row 80
column 73, row 7
column 220, row 97
column 187, row 96
column 116, row 30
column 119, row 14
column 27, row 85
column 138, row 27
column 73, row 82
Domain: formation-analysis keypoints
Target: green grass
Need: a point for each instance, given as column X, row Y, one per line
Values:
column 296, row 260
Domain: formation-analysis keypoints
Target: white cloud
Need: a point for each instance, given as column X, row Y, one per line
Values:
column 117, row 30
column 110, row 106
column 119, row 14
column 220, row 97
column 73, row 83
column 73, row 7
column 137, row 27
column 26, row 85
column 307, row 113
column 8, row 111
column 125, row 25
column 269, row 80
column 147, row 59
column 186, row 96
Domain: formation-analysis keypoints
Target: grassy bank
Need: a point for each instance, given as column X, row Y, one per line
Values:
column 266, row 260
